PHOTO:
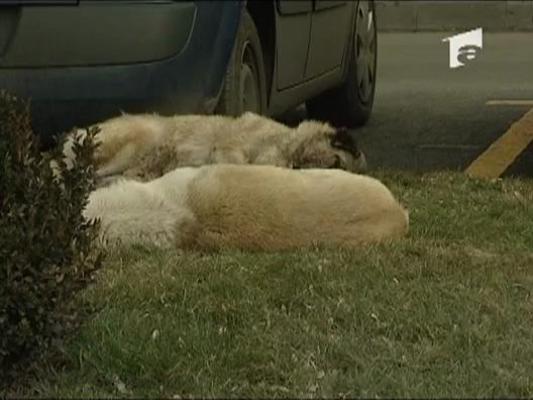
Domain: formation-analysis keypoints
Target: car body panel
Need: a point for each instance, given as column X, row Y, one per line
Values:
column 293, row 25
column 331, row 27
column 96, row 33
column 320, row 74
column 187, row 82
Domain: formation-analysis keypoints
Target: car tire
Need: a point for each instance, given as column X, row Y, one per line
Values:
column 244, row 86
column 350, row 104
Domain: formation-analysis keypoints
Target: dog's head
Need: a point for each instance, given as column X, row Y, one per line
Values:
column 327, row 147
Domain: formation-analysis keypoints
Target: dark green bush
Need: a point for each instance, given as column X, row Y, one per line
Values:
column 46, row 246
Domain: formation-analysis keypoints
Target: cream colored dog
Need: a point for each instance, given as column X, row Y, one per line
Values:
column 147, row 146
column 248, row 207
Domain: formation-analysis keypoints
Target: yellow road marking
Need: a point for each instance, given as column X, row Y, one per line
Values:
column 510, row 103
column 503, row 152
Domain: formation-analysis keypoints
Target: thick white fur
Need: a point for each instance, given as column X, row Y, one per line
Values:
column 146, row 146
column 249, row 207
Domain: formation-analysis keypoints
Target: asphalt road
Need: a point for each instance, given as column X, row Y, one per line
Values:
column 428, row 117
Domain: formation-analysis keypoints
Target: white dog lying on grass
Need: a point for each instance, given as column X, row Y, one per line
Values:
column 248, row 207
column 146, row 146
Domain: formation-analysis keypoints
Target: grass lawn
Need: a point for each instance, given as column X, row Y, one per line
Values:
column 447, row 311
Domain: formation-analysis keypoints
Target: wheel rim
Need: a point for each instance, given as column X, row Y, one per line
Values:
column 365, row 50
column 249, row 91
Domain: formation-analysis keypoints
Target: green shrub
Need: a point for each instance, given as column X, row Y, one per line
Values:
column 46, row 246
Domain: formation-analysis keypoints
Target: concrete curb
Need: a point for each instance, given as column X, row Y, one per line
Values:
column 448, row 15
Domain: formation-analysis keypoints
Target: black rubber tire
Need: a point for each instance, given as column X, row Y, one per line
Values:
column 345, row 105
column 246, row 69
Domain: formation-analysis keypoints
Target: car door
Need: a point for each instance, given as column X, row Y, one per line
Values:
column 330, row 33
column 293, row 24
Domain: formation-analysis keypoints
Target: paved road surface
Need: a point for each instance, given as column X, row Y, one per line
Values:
column 428, row 116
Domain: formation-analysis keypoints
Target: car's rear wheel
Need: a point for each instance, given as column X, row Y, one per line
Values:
column 245, row 81
column 351, row 103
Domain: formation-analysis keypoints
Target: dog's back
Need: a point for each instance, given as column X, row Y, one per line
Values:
column 264, row 207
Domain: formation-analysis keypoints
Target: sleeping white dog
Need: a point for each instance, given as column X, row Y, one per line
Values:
column 146, row 146
column 248, row 207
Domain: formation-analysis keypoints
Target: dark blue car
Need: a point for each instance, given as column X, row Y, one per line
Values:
column 81, row 61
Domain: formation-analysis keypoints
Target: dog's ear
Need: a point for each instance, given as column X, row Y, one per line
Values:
column 343, row 140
